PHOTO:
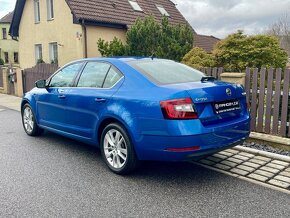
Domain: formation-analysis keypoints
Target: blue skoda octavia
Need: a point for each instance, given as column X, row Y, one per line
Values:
column 138, row 109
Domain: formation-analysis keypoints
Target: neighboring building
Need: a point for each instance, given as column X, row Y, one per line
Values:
column 8, row 47
column 65, row 30
column 207, row 43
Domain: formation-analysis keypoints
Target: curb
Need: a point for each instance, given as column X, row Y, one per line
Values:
column 270, row 138
column 263, row 153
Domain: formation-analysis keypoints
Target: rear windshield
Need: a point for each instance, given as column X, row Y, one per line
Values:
column 166, row 72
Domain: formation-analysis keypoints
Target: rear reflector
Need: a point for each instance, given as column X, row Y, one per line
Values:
column 195, row 148
column 178, row 109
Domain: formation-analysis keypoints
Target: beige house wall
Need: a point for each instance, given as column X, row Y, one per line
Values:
column 108, row 34
column 61, row 30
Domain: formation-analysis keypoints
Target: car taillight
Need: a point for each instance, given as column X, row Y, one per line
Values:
column 178, row 109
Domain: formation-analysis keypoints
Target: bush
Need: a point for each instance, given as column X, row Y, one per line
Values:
column 147, row 37
column 239, row 51
column 199, row 58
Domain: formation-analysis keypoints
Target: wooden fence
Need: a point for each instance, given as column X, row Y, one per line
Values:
column 40, row 71
column 213, row 71
column 268, row 95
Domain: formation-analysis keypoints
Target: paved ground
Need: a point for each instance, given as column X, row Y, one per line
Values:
column 52, row 176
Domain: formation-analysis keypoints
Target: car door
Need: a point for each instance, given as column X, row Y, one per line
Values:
column 51, row 104
column 85, row 102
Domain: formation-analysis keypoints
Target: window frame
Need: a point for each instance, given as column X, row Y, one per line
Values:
column 135, row 4
column 4, row 33
column 36, row 4
column 50, row 10
column 14, row 55
column 37, row 53
column 51, row 51
column 6, row 61
column 163, row 11
column 111, row 65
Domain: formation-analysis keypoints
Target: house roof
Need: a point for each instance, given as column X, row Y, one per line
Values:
column 113, row 13
column 7, row 18
column 121, row 12
column 205, row 42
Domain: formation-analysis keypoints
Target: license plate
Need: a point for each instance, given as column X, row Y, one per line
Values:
column 226, row 106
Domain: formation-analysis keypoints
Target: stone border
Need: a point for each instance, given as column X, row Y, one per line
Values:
column 270, row 138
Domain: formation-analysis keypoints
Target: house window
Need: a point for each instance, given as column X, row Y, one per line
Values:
column 38, row 53
column 36, row 11
column 4, row 33
column 16, row 57
column 135, row 5
column 162, row 10
column 6, row 58
column 53, row 53
column 50, row 14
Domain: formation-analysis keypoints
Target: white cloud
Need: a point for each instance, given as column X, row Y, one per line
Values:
column 222, row 17
column 6, row 6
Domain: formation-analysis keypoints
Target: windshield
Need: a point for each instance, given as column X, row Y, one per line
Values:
column 166, row 72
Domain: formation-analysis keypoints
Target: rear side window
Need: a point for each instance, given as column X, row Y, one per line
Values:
column 112, row 78
column 94, row 74
column 166, row 72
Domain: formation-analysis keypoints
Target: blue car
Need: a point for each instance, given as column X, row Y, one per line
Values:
column 138, row 109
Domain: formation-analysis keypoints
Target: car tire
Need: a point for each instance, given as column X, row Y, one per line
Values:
column 29, row 122
column 117, row 149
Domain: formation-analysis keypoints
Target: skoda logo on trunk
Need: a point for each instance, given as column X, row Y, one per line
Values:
column 229, row 92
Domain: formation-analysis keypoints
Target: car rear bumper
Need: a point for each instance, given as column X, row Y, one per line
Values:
column 153, row 147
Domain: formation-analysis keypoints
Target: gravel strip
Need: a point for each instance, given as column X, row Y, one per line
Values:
column 264, row 147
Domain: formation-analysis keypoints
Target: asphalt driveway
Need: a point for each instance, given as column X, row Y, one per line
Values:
column 51, row 176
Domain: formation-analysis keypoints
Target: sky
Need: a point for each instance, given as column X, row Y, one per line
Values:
column 219, row 17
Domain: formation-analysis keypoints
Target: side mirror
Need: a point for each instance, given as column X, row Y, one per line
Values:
column 41, row 84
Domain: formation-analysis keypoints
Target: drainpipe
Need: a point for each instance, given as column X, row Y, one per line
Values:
column 85, row 38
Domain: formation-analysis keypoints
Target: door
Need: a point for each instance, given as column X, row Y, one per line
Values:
column 88, row 99
column 51, row 103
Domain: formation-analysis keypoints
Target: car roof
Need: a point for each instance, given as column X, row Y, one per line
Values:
column 122, row 59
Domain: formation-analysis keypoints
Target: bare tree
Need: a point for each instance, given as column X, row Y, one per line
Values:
column 281, row 29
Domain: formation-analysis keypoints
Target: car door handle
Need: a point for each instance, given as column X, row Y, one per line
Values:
column 61, row 96
column 100, row 100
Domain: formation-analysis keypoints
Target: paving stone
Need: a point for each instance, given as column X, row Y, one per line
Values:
column 257, row 161
column 270, row 169
column 207, row 162
column 229, row 163
column 250, row 164
column 258, row 177
column 283, row 178
column 226, row 153
column 235, row 160
column 2, row 110
column 232, row 151
column 214, row 159
column 263, row 158
column 279, row 183
column 220, row 156
column 247, row 154
column 244, row 158
column 276, row 166
column 280, row 163
column 246, row 168
column 222, row 166
column 285, row 173
column 239, row 171
column 264, row 173
column 287, row 169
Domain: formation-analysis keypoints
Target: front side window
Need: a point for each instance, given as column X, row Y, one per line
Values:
column 94, row 75
column 65, row 77
column 50, row 13
column 36, row 11
column 6, row 57
column 38, row 53
column 167, row 72
column 53, row 53
column 4, row 33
